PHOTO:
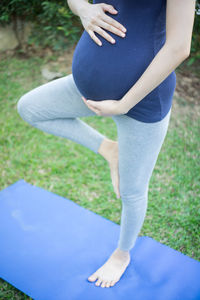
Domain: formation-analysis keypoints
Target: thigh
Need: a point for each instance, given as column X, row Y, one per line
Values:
column 59, row 98
column 139, row 145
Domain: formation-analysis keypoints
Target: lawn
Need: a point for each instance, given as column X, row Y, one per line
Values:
column 73, row 171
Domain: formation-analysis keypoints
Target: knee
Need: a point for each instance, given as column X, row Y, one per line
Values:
column 24, row 108
column 135, row 199
column 136, row 195
column 135, row 186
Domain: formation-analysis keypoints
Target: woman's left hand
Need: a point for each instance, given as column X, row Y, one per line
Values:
column 106, row 107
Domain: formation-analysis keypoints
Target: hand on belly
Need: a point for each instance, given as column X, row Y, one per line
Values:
column 106, row 107
column 94, row 19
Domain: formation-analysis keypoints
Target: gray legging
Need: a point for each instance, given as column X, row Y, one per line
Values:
column 54, row 107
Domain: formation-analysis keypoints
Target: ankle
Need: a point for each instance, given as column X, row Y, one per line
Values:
column 106, row 148
column 121, row 253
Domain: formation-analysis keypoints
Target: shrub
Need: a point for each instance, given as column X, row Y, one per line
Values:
column 54, row 23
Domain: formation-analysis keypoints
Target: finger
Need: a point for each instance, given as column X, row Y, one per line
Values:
column 108, row 8
column 96, row 110
column 93, row 104
column 104, row 34
column 110, row 20
column 84, row 100
column 94, row 37
column 88, row 105
column 111, row 25
column 110, row 28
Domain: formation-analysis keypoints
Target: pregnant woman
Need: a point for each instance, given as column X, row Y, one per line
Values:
column 124, row 66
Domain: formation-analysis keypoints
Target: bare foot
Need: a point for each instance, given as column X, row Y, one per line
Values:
column 109, row 150
column 112, row 270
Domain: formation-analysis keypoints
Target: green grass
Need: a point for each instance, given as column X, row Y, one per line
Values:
column 73, row 171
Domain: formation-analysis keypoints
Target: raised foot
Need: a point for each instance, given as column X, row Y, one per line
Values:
column 109, row 150
column 114, row 168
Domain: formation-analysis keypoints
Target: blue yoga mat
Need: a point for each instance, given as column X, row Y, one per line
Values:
column 49, row 245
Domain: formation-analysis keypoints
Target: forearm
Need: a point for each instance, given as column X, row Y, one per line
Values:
column 164, row 62
column 77, row 6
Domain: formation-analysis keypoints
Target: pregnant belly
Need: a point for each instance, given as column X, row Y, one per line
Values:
column 109, row 71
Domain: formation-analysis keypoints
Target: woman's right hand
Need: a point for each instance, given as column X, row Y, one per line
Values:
column 93, row 18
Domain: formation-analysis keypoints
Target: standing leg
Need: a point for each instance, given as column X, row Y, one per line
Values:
column 139, row 144
column 139, row 147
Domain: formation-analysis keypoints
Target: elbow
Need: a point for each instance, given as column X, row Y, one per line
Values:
column 185, row 51
column 182, row 52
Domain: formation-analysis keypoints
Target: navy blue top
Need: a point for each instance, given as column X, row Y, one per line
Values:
column 109, row 71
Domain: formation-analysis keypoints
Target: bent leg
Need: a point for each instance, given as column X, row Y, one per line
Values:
column 139, row 144
column 54, row 107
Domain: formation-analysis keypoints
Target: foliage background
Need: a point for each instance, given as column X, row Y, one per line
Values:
column 55, row 25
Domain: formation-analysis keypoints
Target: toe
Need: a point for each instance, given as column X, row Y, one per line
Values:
column 103, row 284
column 112, row 282
column 98, row 282
column 93, row 277
column 108, row 284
